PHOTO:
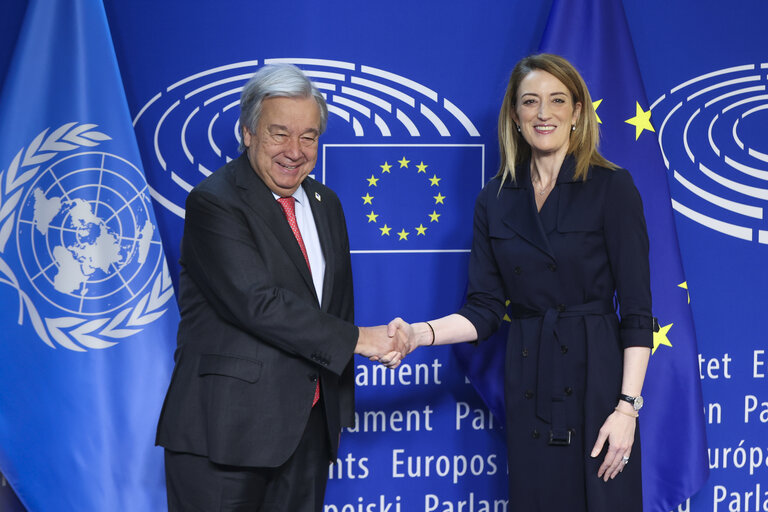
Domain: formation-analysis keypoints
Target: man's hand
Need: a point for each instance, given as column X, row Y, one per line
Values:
column 377, row 344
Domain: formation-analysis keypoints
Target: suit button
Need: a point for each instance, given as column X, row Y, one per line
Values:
column 564, row 349
column 568, row 391
column 561, row 308
column 517, row 270
column 528, row 394
column 525, row 352
column 552, row 267
column 535, row 434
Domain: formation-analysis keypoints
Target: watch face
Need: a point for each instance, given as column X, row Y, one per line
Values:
column 638, row 403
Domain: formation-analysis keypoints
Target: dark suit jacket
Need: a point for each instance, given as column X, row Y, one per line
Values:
column 252, row 339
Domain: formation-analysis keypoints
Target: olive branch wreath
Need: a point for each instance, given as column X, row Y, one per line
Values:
column 68, row 331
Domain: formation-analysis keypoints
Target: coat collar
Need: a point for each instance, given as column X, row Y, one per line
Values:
column 565, row 175
column 260, row 199
column 518, row 209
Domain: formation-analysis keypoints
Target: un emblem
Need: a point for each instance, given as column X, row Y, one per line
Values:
column 89, row 267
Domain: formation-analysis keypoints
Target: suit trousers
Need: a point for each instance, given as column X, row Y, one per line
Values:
column 195, row 484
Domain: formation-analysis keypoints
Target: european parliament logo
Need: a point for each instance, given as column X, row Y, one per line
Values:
column 397, row 195
column 84, row 241
column 712, row 136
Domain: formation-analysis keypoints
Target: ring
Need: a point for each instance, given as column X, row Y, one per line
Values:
column 625, row 460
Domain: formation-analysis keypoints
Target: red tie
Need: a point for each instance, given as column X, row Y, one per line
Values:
column 287, row 204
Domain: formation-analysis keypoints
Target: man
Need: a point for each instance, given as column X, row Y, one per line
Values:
column 264, row 377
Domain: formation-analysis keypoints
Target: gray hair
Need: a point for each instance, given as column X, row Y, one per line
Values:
column 276, row 80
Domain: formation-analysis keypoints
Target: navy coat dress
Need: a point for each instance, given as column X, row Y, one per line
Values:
column 563, row 269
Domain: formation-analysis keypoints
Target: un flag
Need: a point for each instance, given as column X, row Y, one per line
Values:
column 86, row 301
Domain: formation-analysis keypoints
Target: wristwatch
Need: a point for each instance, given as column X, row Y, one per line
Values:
column 636, row 401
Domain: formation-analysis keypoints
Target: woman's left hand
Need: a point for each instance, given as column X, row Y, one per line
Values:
column 619, row 431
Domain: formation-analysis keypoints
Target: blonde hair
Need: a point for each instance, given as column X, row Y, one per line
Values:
column 585, row 137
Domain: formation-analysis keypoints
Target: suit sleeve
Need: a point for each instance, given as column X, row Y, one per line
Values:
column 485, row 305
column 626, row 238
column 226, row 260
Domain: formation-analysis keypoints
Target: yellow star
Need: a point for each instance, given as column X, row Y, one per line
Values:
column 367, row 198
column 684, row 286
column 596, row 104
column 660, row 338
column 433, row 216
column 439, row 198
column 421, row 230
column 422, row 168
column 641, row 121
column 385, row 230
column 403, row 234
column 434, row 180
column 386, row 167
column 372, row 217
column 403, row 162
column 372, row 181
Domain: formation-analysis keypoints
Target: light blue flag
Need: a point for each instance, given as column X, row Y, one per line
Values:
column 86, row 301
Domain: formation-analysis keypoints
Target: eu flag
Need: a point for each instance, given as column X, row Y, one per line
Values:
column 406, row 197
column 593, row 35
column 86, row 301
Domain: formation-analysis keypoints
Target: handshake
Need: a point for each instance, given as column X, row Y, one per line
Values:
column 387, row 344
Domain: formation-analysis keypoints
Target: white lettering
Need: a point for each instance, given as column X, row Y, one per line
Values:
column 757, row 362
column 713, row 367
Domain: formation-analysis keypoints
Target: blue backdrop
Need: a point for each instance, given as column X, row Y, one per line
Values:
column 415, row 89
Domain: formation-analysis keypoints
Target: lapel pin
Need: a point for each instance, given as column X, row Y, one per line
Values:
column 317, row 196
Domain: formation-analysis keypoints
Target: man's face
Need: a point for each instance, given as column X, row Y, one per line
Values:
column 283, row 149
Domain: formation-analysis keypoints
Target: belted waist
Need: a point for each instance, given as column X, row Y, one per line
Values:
column 550, row 400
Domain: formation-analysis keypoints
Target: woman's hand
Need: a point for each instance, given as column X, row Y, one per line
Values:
column 619, row 431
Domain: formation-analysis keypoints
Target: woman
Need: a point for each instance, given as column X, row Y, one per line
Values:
column 560, row 232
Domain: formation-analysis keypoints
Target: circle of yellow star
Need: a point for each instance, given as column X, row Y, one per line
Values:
column 372, row 181
column 403, row 162
column 367, row 198
column 641, row 121
column 421, row 230
column 422, row 168
column 372, row 217
column 386, row 167
column 434, row 216
column 434, row 181
column 403, row 234
column 385, row 230
column 439, row 198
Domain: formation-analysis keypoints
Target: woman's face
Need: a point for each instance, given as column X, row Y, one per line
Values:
column 545, row 113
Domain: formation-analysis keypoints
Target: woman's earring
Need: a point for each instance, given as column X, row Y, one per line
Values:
column 518, row 127
column 573, row 127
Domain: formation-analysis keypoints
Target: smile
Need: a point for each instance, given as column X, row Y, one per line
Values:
column 544, row 129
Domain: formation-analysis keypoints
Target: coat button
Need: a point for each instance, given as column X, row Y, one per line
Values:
column 528, row 394
column 535, row 434
column 525, row 352
column 552, row 267
column 561, row 308
column 564, row 349
column 568, row 391
column 517, row 270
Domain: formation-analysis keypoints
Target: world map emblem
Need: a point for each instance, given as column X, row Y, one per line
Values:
column 88, row 267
